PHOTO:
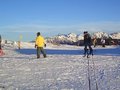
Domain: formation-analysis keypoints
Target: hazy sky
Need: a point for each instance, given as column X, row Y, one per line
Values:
column 52, row 17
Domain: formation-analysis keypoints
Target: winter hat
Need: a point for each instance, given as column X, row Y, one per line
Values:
column 38, row 33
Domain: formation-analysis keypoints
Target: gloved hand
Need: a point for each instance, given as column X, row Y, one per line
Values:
column 44, row 45
column 35, row 46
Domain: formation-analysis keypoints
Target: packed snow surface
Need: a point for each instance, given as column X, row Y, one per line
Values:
column 65, row 68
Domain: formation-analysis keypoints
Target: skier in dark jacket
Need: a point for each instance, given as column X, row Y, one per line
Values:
column 87, row 43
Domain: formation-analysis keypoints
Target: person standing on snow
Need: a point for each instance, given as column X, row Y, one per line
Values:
column 19, row 45
column 103, row 42
column 94, row 41
column 0, row 42
column 1, row 51
column 87, row 43
column 39, row 44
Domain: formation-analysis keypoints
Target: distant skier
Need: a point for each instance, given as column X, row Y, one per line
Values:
column 87, row 43
column 0, row 42
column 39, row 44
column 1, row 51
column 19, row 45
column 94, row 41
column 103, row 42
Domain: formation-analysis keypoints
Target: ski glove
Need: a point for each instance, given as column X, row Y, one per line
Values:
column 35, row 45
column 44, row 45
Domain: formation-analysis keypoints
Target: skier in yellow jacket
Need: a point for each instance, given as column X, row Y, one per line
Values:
column 39, row 44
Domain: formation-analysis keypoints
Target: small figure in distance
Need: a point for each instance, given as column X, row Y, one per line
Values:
column 103, row 42
column 1, row 51
column 19, row 45
column 94, row 41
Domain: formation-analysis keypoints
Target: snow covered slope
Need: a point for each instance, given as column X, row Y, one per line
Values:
column 63, row 69
column 101, row 35
column 115, row 35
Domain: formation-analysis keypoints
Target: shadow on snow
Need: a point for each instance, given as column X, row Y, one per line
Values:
column 105, row 51
column 51, row 51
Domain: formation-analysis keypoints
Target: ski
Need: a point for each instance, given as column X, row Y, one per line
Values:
column 88, row 54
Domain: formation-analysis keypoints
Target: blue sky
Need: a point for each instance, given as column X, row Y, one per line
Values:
column 52, row 17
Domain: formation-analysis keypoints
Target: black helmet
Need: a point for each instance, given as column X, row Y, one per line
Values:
column 38, row 33
column 85, row 32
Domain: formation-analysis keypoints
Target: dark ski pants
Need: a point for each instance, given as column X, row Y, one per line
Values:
column 40, row 50
column 86, row 49
column 0, row 47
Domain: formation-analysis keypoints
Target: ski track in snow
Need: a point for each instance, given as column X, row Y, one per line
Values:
column 22, row 71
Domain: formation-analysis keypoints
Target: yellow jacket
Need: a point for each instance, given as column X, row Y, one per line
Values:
column 39, row 41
